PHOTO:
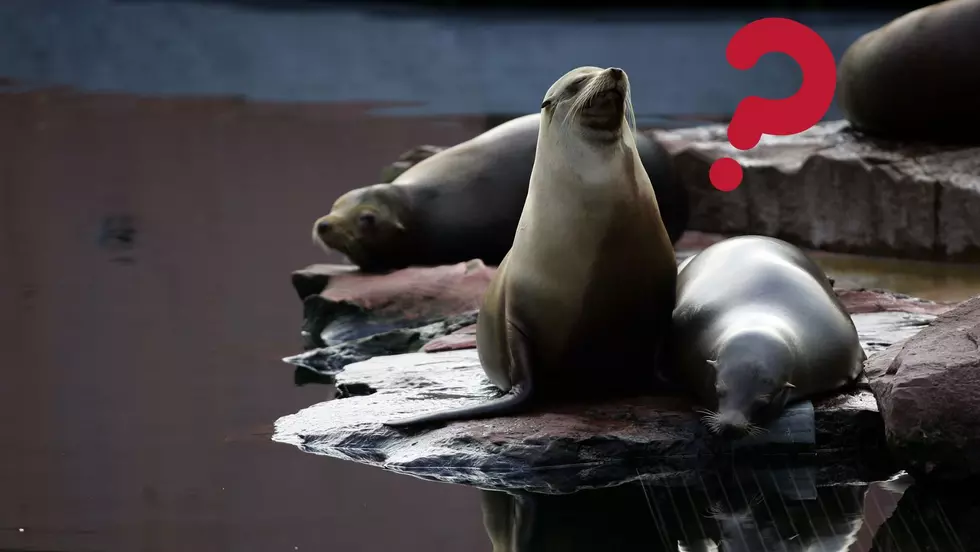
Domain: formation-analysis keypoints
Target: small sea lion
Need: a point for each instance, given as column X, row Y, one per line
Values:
column 581, row 305
column 757, row 326
column 916, row 78
column 464, row 203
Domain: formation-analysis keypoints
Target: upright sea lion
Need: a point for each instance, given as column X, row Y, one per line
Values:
column 464, row 203
column 581, row 304
column 757, row 326
column 917, row 77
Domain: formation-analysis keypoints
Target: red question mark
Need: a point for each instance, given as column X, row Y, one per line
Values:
column 754, row 115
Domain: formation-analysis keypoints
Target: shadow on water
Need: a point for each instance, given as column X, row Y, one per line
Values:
column 771, row 510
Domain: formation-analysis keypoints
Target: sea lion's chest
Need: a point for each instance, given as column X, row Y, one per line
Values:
column 581, row 261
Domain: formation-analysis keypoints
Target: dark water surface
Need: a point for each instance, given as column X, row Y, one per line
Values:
column 145, row 306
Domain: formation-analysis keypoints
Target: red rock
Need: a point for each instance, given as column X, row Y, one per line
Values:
column 411, row 293
column 464, row 338
column 867, row 300
column 927, row 390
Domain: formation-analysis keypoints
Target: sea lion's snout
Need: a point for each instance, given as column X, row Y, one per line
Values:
column 733, row 424
column 605, row 107
column 325, row 233
column 322, row 227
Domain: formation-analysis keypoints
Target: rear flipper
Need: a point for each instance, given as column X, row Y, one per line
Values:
column 513, row 402
column 508, row 404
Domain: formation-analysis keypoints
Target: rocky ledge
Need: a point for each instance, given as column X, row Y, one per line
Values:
column 567, row 448
column 831, row 188
column 429, row 363
column 927, row 389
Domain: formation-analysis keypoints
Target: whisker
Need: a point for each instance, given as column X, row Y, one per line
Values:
column 755, row 430
column 584, row 97
column 630, row 115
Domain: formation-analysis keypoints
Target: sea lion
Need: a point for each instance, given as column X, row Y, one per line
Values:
column 581, row 303
column 916, row 78
column 464, row 203
column 757, row 326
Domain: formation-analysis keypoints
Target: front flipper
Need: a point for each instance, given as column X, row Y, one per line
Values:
column 514, row 401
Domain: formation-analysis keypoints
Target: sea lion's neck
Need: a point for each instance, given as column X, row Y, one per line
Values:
column 579, row 167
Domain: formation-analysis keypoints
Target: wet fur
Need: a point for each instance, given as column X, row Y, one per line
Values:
column 757, row 319
column 590, row 280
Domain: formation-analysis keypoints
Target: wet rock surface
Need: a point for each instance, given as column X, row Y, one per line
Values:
column 927, row 389
column 833, row 189
column 573, row 446
column 871, row 301
column 342, row 305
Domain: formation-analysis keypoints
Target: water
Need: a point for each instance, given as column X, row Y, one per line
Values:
column 145, row 251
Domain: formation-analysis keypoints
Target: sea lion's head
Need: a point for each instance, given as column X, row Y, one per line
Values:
column 751, row 384
column 367, row 225
column 596, row 101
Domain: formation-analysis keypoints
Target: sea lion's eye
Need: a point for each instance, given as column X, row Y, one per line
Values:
column 366, row 220
column 575, row 86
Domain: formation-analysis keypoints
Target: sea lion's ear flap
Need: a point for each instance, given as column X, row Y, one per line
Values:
column 789, row 385
column 712, row 363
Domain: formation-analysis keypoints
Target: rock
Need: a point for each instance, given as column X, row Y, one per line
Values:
column 927, row 389
column 869, row 301
column 330, row 360
column 830, row 188
column 342, row 304
column 929, row 519
column 463, row 338
column 350, row 316
column 314, row 278
column 580, row 446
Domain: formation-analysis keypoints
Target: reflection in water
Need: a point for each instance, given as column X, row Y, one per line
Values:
column 927, row 280
column 750, row 511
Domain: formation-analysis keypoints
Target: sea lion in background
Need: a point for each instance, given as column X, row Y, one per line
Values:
column 464, row 202
column 757, row 326
column 917, row 77
column 580, row 306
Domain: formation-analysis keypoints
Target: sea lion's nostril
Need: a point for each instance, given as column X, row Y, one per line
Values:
column 323, row 227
